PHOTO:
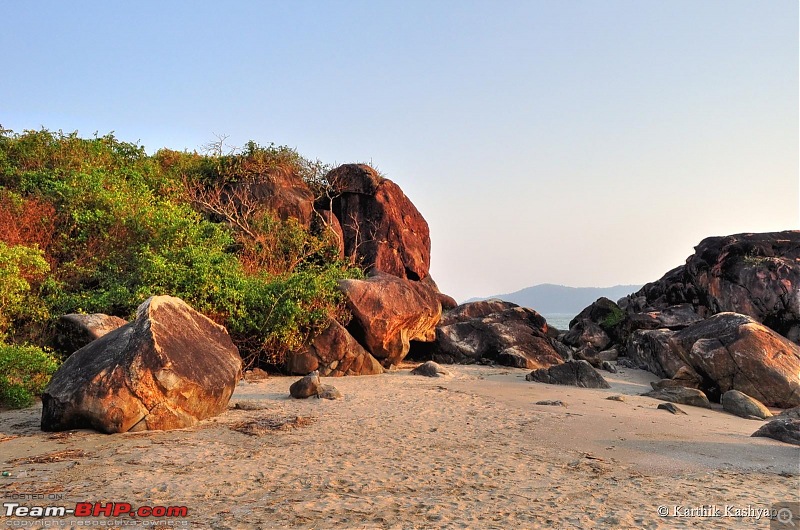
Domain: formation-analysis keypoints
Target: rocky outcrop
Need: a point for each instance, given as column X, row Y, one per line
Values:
column 333, row 353
column 681, row 395
column 784, row 430
column 390, row 312
column 275, row 189
column 168, row 369
column 573, row 373
column 491, row 331
column 734, row 352
column 651, row 348
column 753, row 274
column 381, row 227
column 744, row 406
column 74, row 331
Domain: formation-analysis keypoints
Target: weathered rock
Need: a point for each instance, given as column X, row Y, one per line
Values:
column 574, row 373
column 382, row 228
column 388, row 313
column 734, row 352
column 753, row 274
column 447, row 302
column 608, row 367
column 586, row 332
column 306, row 387
column 74, row 331
column 744, row 406
column 784, row 430
column 673, row 318
column 333, row 353
column 671, row 407
column 652, row 348
column 168, row 369
column 329, row 392
column 685, row 377
column 789, row 414
column 429, row 369
column 515, row 336
column 472, row 310
column 683, row 396
column 278, row 190
column 551, row 403
column 623, row 399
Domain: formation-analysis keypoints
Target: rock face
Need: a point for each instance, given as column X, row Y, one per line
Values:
column 683, row 396
column 333, row 353
column 277, row 190
column 573, row 373
column 784, row 430
column 744, row 406
column 390, row 312
column 380, row 225
column 74, row 331
column 753, row 274
column 492, row 331
column 168, row 369
column 651, row 348
column 734, row 352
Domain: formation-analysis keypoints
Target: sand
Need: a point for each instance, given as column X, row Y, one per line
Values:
column 469, row 450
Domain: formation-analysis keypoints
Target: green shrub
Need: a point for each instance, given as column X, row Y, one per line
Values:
column 24, row 374
column 19, row 265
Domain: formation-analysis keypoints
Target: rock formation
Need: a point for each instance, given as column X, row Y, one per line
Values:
column 74, row 331
column 168, row 369
column 334, row 353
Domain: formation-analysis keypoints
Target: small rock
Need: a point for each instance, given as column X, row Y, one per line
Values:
column 329, row 392
column 306, row 387
column 626, row 362
column 684, row 396
column 784, row 430
column 256, row 374
column 575, row 373
column 617, row 398
column 671, row 407
column 551, row 402
column 744, row 406
column 608, row 367
column 429, row 369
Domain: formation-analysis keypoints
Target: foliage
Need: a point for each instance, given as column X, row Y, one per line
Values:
column 19, row 266
column 24, row 374
column 614, row 318
column 117, row 226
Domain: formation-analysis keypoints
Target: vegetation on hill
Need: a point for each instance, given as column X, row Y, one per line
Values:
column 98, row 225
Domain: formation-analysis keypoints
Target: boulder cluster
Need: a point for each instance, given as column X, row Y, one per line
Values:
column 724, row 327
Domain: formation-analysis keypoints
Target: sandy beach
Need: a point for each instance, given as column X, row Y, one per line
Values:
column 468, row 450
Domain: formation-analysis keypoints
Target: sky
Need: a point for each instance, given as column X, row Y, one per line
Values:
column 582, row 143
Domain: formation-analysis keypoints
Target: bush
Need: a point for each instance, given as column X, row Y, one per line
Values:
column 24, row 374
column 19, row 266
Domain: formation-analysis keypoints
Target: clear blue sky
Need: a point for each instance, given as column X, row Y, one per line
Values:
column 585, row 143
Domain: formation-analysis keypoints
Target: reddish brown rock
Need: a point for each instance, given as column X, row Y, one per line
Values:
column 280, row 191
column 168, row 369
column 333, row 353
column 388, row 313
column 74, row 331
column 734, row 352
column 382, row 228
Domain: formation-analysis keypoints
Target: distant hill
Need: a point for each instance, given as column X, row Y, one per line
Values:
column 548, row 298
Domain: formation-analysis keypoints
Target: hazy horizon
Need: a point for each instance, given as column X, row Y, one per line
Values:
column 572, row 143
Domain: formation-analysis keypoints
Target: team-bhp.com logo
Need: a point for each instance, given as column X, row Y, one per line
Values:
column 94, row 509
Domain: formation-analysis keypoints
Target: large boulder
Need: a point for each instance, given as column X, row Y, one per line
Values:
column 381, row 227
column 390, row 312
column 652, row 348
column 753, row 274
column 74, row 331
column 278, row 190
column 681, row 395
column 573, row 373
column 333, row 353
column 734, row 352
column 511, row 336
column 168, row 369
column 744, row 406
